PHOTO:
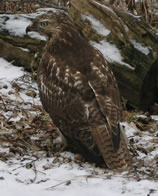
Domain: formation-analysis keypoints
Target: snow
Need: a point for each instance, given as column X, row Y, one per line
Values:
column 97, row 25
column 46, row 178
column 140, row 46
column 16, row 24
column 8, row 71
column 111, row 52
column 52, row 179
column 104, row 6
column 155, row 117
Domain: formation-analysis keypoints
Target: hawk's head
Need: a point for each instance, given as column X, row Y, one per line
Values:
column 58, row 28
column 49, row 24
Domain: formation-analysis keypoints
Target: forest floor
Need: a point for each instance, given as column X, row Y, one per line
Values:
column 33, row 161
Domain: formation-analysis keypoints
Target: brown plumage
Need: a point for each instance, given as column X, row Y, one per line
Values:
column 79, row 91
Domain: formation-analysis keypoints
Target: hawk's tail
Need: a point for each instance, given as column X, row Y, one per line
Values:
column 115, row 159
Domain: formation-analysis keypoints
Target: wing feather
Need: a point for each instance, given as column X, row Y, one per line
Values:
column 106, row 91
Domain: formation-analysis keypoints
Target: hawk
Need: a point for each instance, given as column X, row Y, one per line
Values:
column 80, row 93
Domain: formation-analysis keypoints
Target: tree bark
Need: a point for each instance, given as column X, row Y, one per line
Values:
column 20, row 51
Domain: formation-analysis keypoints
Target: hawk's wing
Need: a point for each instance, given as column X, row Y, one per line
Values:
column 106, row 91
column 109, row 138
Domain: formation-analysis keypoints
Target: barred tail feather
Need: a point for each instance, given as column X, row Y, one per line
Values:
column 115, row 159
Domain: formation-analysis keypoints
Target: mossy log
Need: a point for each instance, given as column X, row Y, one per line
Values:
column 136, row 41
column 20, row 50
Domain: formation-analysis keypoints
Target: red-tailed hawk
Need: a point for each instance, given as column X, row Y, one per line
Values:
column 80, row 93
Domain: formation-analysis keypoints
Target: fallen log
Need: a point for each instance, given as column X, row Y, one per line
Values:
column 137, row 43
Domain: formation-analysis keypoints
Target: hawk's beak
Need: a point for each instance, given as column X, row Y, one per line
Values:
column 29, row 28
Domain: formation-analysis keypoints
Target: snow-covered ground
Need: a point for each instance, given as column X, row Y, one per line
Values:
column 43, row 176
column 48, row 179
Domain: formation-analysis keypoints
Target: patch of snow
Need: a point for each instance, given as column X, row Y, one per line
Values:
column 111, row 53
column 135, row 16
column 36, row 35
column 8, row 75
column 140, row 46
column 4, row 150
column 138, row 1
column 104, row 6
column 129, row 129
column 141, row 116
column 143, row 140
column 24, row 49
column 8, row 71
column 16, row 24
column 100, row 28
column 154, row 117
column 44, row 10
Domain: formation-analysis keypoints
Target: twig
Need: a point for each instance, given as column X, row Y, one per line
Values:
column 34, row 169
column 65, row 182
column 53, row 6
column 86, row 177
column 5, row 108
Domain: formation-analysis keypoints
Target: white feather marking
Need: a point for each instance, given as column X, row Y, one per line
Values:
column 57, row 72
column 107, row 68
column 98, row 72
column 66, row 77
column 103, row 66
column 77, row 73
column 77, row 77
column 77, row 83
column 67, row 70
column 53, row 65
column 59, row 90
column 44, row 88
column 78, row 80
column 87, row 110
column 66, row 80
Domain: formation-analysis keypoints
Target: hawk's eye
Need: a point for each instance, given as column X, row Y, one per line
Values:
column 44, row 23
